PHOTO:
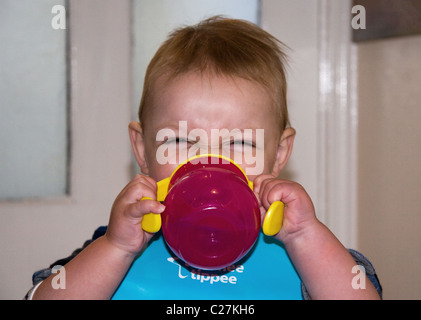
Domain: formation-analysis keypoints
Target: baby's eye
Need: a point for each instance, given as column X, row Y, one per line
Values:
column 176, row 140
column 180, row 140
column 243, row 143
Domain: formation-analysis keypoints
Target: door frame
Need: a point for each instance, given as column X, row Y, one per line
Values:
column 337, row 121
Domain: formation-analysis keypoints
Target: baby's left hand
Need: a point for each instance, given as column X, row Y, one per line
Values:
column 299, row 213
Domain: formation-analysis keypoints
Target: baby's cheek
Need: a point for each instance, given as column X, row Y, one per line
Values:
column 160, row 172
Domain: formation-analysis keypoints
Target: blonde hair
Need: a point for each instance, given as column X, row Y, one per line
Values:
column 222, row 46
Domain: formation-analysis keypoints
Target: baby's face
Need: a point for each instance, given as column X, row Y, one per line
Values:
column 195, row 114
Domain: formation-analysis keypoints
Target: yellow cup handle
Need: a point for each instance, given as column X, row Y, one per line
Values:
column 272, row 223
column 152, row 222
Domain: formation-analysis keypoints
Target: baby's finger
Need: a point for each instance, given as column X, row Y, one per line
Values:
column 266, row 188
column 151, row 222
column 275, row 190
column 150, row 182
column 258, row 181
column 139, row 208
column 140, row 188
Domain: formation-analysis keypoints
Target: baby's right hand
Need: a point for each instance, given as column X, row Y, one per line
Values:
column 124, row 228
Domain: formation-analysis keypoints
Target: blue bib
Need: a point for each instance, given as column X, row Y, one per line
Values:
column 266, row 272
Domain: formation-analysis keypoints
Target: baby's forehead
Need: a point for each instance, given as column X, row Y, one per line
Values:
column 225, row 89
column 229, row 84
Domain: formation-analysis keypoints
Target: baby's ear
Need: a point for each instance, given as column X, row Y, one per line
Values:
column 138, row 145
column 284, row 150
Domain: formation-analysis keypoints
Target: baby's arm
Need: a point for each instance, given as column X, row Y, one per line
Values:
column 96, row 272
column 322, row 262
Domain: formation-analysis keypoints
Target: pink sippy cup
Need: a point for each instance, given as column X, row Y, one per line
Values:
column 212, row 217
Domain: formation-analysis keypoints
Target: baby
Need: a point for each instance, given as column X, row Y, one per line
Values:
column 225, row 76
